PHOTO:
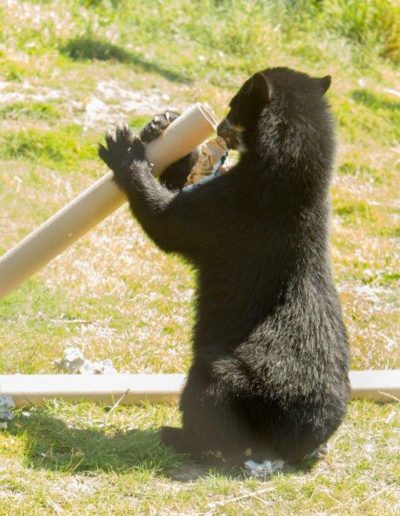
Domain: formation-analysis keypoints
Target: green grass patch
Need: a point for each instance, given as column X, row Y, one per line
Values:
column 362, row 170
column 58, row 148
column 361, row 124
column 368, row 26
column 30, row 298
column 356, row 213
column 57, row 446
column 11, row 70
column 121, row 446
column 139, row 121
column 371, row 24
column 375, row 102
column 384, row 108
column 30, row 111
column 390, row 278
column 390, row 232
column 27, row 313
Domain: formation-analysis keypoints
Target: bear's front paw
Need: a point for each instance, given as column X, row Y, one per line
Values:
column 123, row 153
column 157, row 126
column 116, row 152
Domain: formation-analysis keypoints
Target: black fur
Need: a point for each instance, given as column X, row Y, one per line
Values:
column 270, row 364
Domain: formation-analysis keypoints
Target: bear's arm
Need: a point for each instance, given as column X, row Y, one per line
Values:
column 188, row 222
column 175, row 176
column 191, row 222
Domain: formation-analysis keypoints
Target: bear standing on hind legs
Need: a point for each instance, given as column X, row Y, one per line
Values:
column 269, row 378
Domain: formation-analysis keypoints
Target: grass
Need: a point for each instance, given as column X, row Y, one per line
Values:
column 84, row 458
column 30, row 111
column 66, row 74
column 63, row 147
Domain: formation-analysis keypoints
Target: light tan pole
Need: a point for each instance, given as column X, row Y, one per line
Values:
column 34, row 389
column 98, row 201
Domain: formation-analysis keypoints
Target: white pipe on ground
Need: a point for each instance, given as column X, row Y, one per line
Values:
column 36, row 389
column 28, row 390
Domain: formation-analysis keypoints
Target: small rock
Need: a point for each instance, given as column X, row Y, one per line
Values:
column 75, row 363
column 264, row 469
column 6, row 406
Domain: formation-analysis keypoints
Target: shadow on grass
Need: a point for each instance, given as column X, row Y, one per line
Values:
column 52, row 444
column 88, row 48
column 373, row 101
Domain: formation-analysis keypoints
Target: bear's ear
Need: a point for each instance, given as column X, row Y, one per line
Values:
column 261, row 86
column 258, row 85
column 324, row 83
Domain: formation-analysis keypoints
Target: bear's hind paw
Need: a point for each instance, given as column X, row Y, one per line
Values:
column 173, row 437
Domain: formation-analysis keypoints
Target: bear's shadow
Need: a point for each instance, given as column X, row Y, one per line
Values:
column 54, row 445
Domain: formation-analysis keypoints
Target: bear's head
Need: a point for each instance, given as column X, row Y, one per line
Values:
column 276, row 109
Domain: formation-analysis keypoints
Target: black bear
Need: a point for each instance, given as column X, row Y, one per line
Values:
column 269, row 378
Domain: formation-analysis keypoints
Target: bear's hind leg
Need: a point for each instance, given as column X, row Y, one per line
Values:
column 214, row 429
